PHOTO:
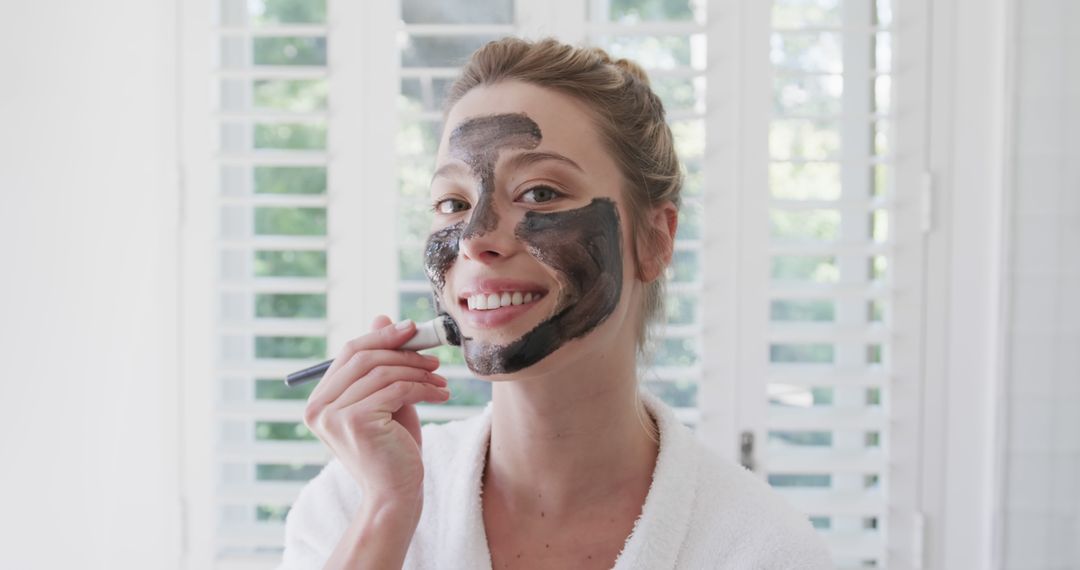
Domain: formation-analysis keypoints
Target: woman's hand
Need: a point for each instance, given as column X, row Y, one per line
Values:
column 363, row 409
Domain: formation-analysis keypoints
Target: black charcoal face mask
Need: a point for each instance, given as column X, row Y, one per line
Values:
column 583, row 247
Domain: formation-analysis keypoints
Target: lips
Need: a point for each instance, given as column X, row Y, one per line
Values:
column 492, row 302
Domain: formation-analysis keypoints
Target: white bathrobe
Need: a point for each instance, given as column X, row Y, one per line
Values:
column 701, row 511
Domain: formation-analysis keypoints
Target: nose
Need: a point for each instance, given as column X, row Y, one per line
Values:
column 488, row 236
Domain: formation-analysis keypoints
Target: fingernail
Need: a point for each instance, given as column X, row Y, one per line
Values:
column 439, row 380
column 431, row 357
column 403, row 324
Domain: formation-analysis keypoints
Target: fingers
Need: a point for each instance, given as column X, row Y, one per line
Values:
column 390, row 336
column 382, row 378
column 399, row 394
column 354, row 370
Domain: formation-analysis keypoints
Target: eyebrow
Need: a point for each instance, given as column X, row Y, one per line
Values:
column 520, row 160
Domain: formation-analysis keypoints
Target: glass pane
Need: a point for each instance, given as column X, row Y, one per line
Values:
column 290, row 263
column 423, row 93
column 287, row 11
column 447, row 354
column 693, row 183
column 440, row 51
column 419, row 139
column 286, row 472
column 802, row 353
column 883, row 12
column 794, row 310
column 802, row 438
column 469, row 392
column 680, row 394
column 680, row 93
column 804, row 139
column 262, row 12
column 883, row 52
column 290, row 305
column 879, row 226
column 882, row 94
column 875, row 311
column 290, row 179
column 806, row 225
column 271, row 513
column 878, row 267
column 632, row 11
column 289, row 51
column 457, row 12
column 414, row 218
column 807, row 51
column 791, row 395
column 815, row 95
column 805, row 180
column 283, row 431
column 659, row 52
column 881, row 180
column 676, row 352
column 813, row 268
column 290, row 347
column 881, row 138
column 416, row 306
column 681, row 308
column 275, row 389
column 290, row 136
column 690, row 213
column 804, row 13
column 298, row 95
column 689, row 138
column 800, row 480
column 686, row 266
column 290, row 221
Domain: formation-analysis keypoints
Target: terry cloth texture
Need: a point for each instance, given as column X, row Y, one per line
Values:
column 702, row 511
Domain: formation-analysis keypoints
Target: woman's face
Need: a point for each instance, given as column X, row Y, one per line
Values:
column 529, row 250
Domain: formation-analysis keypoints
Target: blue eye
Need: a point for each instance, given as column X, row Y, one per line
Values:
column 451, row 205
column 540, row 194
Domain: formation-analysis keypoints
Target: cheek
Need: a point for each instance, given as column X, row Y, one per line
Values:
column 440, row 251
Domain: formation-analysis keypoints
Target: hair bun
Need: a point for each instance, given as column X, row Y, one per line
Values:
column 625, row 65
column 632, row 69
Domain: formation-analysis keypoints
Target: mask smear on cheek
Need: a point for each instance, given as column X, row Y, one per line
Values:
column 583, row 246
column 439, row 254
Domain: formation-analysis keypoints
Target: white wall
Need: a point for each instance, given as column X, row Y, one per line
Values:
column 87, row 313
column 1040, row 503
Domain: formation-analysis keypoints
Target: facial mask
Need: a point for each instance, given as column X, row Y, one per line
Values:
column 582, row 246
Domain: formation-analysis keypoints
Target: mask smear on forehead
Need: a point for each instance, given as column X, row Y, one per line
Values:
column 582, row 246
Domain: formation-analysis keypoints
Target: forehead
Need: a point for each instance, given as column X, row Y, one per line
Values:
column 565, row 123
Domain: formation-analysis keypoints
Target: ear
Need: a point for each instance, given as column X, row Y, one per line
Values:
column 656, row 244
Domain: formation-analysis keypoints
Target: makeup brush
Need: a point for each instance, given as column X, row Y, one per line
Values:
column 438, row 331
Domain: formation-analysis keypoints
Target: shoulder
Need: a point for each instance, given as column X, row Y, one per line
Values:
column 750, row 522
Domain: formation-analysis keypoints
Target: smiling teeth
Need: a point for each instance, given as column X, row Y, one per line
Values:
column 484, row 302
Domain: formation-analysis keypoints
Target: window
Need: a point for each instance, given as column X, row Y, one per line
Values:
column 794, row 273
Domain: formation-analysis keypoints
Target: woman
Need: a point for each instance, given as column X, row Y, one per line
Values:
column 555, row 203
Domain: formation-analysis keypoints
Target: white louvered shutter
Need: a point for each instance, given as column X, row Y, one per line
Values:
column 837, row 277
column 272, row 97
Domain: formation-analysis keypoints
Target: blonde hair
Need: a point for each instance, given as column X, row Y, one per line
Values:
column 630, row 118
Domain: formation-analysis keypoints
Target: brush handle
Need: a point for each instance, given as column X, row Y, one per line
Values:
column 428, row 335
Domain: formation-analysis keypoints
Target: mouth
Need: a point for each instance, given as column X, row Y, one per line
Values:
column 493, row 303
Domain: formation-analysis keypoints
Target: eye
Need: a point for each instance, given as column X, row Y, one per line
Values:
column 450, row 206
column 540, row 194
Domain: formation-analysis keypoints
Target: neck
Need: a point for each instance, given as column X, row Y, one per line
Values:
column 569, row 439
